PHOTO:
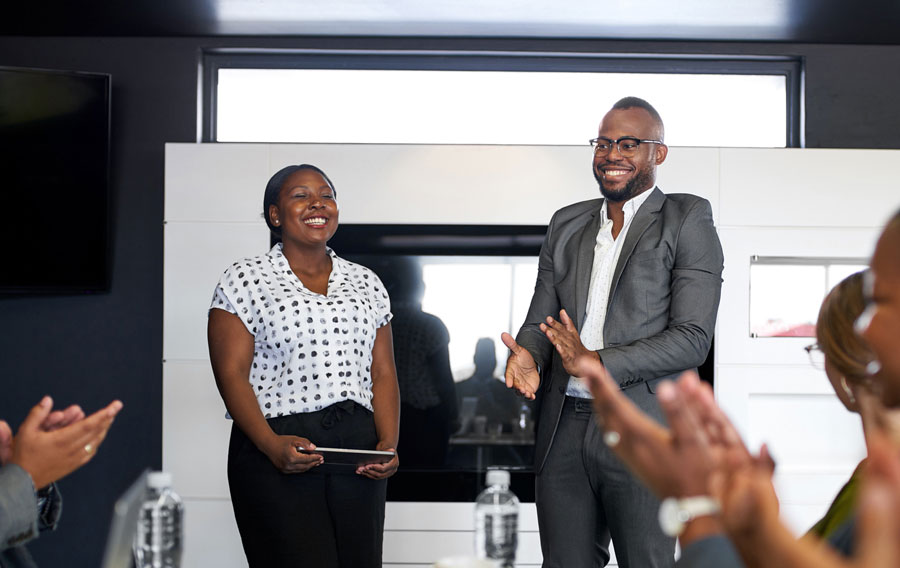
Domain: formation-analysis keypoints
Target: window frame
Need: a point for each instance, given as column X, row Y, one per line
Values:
column 212, row 60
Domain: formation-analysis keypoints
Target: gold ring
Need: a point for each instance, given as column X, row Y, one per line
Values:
column 88, row 448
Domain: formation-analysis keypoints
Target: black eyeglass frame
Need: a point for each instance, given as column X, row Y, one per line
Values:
column 809, row 352
column 594, row 142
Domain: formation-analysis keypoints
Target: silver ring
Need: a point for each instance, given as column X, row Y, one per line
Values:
column 88, row 449
column 611, row 438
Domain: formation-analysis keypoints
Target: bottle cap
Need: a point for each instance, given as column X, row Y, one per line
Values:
column 159, row 479
column 497, row 477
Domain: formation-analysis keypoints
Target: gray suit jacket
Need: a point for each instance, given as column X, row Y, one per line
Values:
column 19, row 518
column 663, row 298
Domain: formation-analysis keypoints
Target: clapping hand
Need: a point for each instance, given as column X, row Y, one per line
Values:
column 521, row 370
column 565, row 338
column 51, row 444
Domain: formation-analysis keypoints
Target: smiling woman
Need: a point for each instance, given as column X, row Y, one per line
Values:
column 300, row 345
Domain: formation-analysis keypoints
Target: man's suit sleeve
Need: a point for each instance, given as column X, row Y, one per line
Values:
column 694, row 292
column 711, row 552
column 544, row 302
column 20, row 520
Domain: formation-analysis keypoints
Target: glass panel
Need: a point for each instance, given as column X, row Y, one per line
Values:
column 474, row 297
column 785, row 293
column 490, row 107
column 785, row 299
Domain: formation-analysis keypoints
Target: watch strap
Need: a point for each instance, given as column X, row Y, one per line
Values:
column 675, row 513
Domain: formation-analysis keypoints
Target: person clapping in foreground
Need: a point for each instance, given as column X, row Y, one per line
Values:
column 49, row 445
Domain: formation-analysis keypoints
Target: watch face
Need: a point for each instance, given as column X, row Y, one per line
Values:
column 670, row 517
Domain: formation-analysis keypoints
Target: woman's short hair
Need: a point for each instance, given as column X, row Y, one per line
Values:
column 844, row 349
column 273, row 189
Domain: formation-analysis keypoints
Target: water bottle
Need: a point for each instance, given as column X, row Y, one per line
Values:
column 497, row 520
column 158, row 541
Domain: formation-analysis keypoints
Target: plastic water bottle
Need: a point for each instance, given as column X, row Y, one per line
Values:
column 158, row 541
column 497, row 520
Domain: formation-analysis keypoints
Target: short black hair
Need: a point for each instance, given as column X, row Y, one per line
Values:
column 637, row 102
column 273, row 189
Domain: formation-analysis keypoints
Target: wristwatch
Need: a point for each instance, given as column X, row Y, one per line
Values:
column 675, row 513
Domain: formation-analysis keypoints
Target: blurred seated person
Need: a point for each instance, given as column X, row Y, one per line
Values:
column 49, row 445
column 497, row 409
column 845, row 357
column 428, row 412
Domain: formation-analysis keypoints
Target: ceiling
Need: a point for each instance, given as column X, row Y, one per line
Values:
column 801, row 21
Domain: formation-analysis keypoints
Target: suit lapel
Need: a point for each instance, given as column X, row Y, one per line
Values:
column 645, row 216
column 584, row 264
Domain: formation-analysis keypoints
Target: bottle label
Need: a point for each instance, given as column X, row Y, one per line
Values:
column 501, row 536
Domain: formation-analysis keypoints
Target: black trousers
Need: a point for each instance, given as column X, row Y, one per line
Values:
column 585, row 495
column 327, row 517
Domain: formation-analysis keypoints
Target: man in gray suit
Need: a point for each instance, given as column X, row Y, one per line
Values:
column 634, row 279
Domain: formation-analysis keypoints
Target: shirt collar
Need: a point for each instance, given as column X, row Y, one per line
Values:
column 630, row 208
column 278, row 259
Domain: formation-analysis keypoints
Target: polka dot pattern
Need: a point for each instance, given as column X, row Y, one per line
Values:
column 310, row 351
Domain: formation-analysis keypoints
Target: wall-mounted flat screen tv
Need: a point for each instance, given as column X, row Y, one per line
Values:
column 54, row 181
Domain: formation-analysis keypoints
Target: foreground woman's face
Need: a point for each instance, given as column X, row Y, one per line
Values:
column 880, row 323
column 307, row 208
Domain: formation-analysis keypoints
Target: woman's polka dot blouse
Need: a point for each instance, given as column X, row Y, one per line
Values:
column 311, row 350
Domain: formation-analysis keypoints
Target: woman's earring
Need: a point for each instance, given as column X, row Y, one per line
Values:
column 847, row 390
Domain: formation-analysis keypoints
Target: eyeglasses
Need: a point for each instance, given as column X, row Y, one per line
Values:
column 816, row 355
column 626, row 145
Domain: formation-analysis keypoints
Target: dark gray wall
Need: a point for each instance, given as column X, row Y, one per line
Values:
column 91, row 349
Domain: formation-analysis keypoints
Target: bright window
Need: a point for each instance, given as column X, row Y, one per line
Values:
column 786, row 293
column 490, row 107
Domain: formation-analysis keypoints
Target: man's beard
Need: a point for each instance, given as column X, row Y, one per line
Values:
column 640, row 182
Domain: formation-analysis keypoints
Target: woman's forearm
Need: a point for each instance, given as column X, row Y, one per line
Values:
column 385, row 390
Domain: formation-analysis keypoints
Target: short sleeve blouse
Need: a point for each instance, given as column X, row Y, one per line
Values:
column 310, row 350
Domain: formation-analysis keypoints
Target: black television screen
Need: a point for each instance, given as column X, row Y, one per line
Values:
column 54, row 159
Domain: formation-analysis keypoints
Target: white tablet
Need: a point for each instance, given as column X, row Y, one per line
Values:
column 353, row 457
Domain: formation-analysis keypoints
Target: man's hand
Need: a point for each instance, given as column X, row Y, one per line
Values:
column 48, row 455
column 521, row 370
column 564, row 337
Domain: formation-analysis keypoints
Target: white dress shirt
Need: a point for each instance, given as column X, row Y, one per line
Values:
column 606, row 256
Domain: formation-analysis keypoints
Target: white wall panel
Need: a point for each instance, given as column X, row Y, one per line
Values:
column 195, row 430
column 791, row 187
column 211, row 537
column 446, row 516
column 804, row 496
column 733, row 342
column 822, row 432
column 692, row 170
column 196, row 255
column 209, row 182
column 756, row 397
column 446, row 184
